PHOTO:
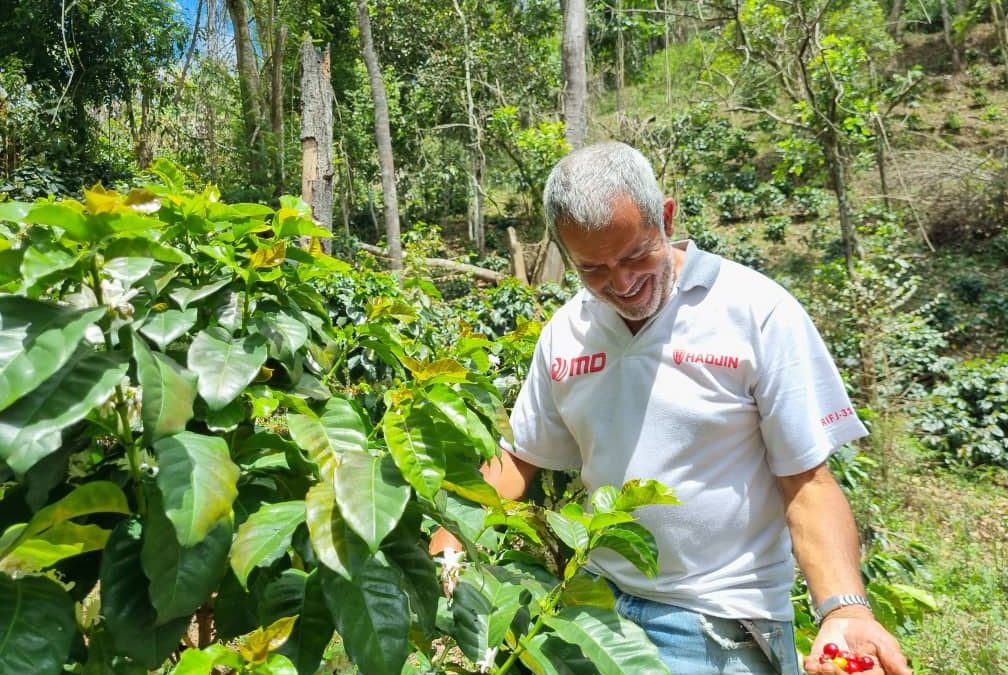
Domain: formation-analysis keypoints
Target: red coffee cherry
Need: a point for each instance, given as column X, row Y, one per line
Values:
column 866, row 662
column 830, row 650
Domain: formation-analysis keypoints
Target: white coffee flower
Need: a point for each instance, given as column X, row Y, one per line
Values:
column 487, row 662
column 451, row 567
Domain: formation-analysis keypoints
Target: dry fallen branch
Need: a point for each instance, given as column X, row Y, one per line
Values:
column 480, row 273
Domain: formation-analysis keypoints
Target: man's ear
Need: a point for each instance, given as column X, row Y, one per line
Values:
column 669, row 214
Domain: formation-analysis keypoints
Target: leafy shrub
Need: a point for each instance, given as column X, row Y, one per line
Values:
column 968, row 287
column 966, row 418
column 775, row 229
column 811, row 202
column 733, row 204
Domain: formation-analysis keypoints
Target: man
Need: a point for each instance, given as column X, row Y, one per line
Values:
column 710, row 378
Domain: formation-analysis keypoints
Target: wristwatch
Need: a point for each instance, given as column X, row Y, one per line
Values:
column 836, row 602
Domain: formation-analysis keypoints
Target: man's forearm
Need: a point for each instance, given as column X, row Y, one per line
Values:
column 823, row 533
column 511, row 478
column 510, row 475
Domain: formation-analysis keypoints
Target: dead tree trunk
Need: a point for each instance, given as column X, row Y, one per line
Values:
column 317, row 135
column 383, row 138
column 575, row 71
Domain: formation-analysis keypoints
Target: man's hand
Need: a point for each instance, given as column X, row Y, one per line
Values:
column 858, row 632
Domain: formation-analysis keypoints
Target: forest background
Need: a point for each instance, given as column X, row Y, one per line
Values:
column 855, row 151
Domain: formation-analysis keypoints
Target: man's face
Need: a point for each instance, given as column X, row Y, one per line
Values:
column 627, row 265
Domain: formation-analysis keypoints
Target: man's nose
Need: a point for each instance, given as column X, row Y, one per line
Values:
column 621, row 280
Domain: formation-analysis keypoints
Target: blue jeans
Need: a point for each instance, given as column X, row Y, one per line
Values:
column 696, row 644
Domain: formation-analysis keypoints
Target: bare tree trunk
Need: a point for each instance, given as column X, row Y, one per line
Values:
column 248, row 83
column 895, row 20
column 947, row 34
column 620, row 57
column 477, row 231
column 316, row 135
column 575, row 91
column 837, row 170
column 276, row 105
column 998, row 16
column 880, row 161
column 180, row 82
column 517, row 256
column 383, row 138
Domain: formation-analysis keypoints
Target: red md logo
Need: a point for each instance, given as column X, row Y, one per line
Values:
column 579, row 365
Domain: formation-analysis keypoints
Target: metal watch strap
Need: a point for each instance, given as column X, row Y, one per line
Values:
column 836, row 602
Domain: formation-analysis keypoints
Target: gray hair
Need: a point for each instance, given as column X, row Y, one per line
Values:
column 583, row 186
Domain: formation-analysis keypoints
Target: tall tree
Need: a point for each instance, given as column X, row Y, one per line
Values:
column 575, row 71
column 383, row 136
column 317, row 134
column 478, row 160
column 81, row 56
column 253, row 116
column 824, row 66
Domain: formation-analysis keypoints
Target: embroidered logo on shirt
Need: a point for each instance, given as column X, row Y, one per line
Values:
column 579, row 365
column 836, row 416
column 724, row 360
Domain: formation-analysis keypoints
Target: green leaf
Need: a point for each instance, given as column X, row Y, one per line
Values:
column 302, row 597
column 30, row 429
column 265, row 536
column 198, row 481
column 46, row 260
column 36, row 340
column 584, row 589
column 637, row 493
column 372, row 616
column 14, row 211
column 471, row 613
column 186, row 295
column 169, row 391
column 163, row 328
column 466, row 481
column 420, row 579
column 61, row 541
column 128, row 270
column 10, row 265
column 337, row 546
column 370, row 495
column 632, row 541
column 504, row 600
column 95, row 497
column 202, row 661
column 284, row 334
column 181, row 578
column 326, row 437
column 145, row 248
column 416, row 447
column 615, row 645
column 546, row 654
column 130, row 618
column 65, row 216
column 570, row 531
column 37, row 625
column 452, row 406
column 224, row 366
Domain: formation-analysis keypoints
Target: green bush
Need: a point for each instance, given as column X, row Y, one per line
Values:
column 966, row 419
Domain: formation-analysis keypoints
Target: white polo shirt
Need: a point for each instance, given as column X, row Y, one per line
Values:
column 727, row 386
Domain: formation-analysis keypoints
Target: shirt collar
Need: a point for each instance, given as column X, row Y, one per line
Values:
column 700, row 267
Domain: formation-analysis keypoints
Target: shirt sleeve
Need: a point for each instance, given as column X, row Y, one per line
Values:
column 805, row 412
column 541, row 437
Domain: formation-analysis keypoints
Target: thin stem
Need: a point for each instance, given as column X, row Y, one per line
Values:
column 547, row 609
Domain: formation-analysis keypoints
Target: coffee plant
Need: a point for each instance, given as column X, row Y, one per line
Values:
column 223, row 450
column 965, row 421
